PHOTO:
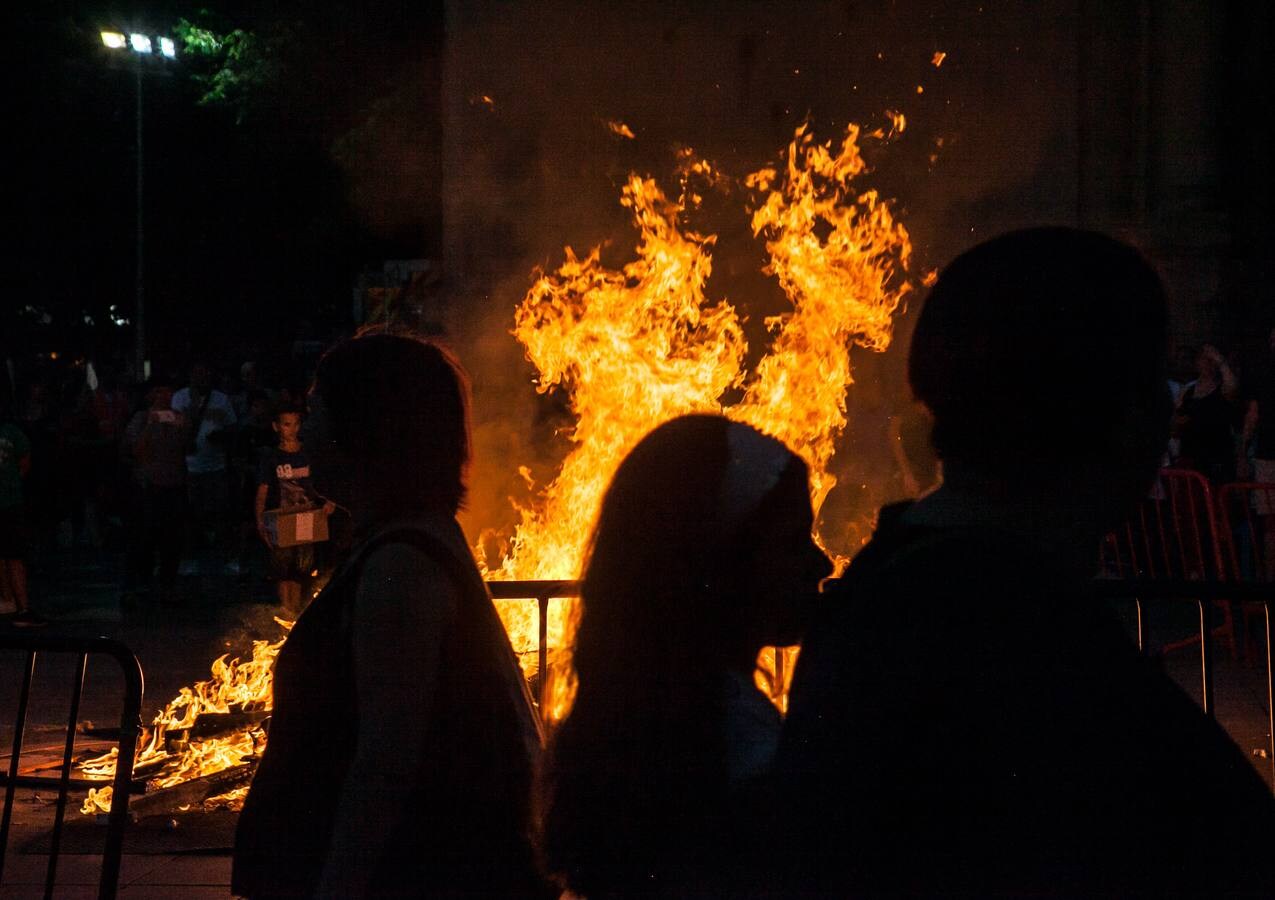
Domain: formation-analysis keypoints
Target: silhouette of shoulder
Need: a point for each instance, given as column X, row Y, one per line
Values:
column 965, row 701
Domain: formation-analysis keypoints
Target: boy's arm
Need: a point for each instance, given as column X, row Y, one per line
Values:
column 259, row 506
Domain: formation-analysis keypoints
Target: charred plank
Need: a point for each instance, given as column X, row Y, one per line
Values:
column 163, row 800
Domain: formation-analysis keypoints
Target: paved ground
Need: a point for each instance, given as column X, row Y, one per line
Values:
column 214, row 611
column 217, row 612
column 189, row 877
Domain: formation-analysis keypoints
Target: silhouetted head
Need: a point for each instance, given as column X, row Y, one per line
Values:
column 159, row 393
column 201, row 377
column 685, row 521
column 702, row 555
column 1208, row 362
column 1041, row 355
column 393, row 429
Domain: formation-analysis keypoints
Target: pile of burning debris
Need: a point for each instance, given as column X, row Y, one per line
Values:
column 202, row 748
column 633, row 346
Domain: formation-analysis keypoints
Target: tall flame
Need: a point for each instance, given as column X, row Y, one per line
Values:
column 844, row 289
column 635, row 347
column 643, row 344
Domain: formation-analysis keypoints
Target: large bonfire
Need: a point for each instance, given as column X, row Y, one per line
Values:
column 636, row 346
column 639, row 345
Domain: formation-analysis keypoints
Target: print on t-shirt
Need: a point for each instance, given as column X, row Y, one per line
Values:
column 287, row 479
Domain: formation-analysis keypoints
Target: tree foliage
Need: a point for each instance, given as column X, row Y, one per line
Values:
column 238, row 68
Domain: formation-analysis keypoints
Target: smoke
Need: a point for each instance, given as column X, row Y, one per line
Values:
column 539, row 101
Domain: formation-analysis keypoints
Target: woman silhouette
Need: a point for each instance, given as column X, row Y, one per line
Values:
column 702, row 555
column 403, row 740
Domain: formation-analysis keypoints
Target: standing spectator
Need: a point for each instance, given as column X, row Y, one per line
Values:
column 248, row 388
column 155, row 440
column 107, row 416
column 283, row 483
column 46, row 488
column 1259, row 431
column 15, row 462
column 254, row 436
column 209, row 420
column 1205, row 418
column 397, row 690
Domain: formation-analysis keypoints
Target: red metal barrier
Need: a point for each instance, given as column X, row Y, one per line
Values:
column 1247, row 525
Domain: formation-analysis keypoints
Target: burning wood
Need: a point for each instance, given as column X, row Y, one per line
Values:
column 187, row 793
column 208, row 727
column 636, row 346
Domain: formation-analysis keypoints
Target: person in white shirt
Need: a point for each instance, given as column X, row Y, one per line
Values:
column 210, row 420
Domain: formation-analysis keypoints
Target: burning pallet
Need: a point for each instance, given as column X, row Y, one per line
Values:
column 203, row 745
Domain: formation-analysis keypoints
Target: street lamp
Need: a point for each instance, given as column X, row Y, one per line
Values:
column 141, row 46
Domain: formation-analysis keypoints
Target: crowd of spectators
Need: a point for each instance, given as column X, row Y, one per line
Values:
column 162, row 475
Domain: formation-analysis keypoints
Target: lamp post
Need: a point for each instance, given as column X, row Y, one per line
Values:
column 141, row 46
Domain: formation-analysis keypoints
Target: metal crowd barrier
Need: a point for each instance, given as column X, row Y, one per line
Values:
column 1206, row 595
column 1210, row 597
column 130, row 728
column 542, row 592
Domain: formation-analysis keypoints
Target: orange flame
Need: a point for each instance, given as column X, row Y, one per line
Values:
column 642, row 344
column 621, row 130
column 234, row 687
column 636, row 347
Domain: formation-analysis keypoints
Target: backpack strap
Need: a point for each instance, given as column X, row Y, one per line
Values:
column 478, row 610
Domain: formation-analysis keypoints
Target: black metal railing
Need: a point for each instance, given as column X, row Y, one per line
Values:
column 1207, row 596
column 130, row 727
column 541, row 592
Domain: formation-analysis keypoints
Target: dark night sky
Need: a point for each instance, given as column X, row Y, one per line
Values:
column 250, row 227
column 1126, row 115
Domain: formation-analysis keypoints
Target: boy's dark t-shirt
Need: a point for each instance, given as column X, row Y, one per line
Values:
column 287, row 479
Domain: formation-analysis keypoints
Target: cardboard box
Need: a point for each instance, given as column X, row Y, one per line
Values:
column 298, row 526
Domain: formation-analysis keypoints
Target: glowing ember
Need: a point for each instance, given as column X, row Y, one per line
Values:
column 938, row 58
column 621, row 129
column 639, row 345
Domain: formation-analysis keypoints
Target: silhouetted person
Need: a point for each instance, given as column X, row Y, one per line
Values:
column 1259, row 432
column 402, row 743
column 702, row 555
column 210, row 420
column 1206, row 416
column 965, row 717
column 15, row 463
column 155, row 441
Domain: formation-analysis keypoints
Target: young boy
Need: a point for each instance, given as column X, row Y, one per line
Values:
column 283, row 483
